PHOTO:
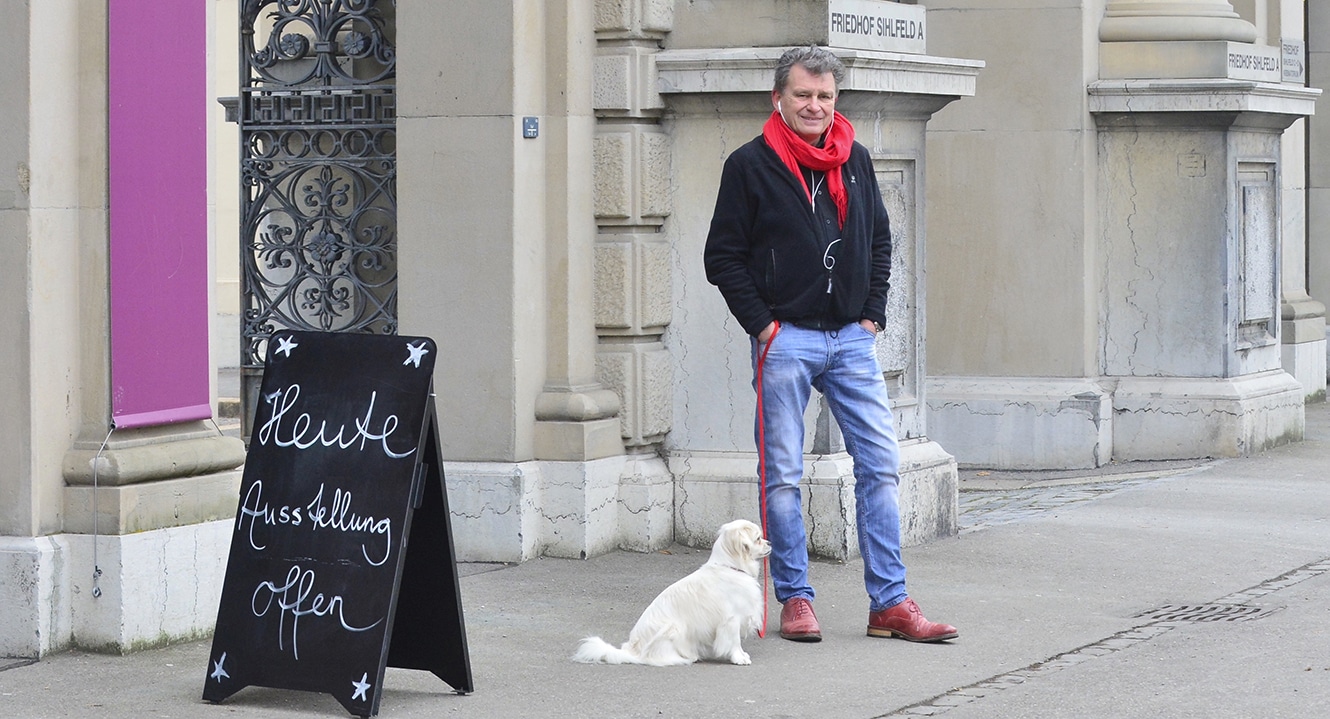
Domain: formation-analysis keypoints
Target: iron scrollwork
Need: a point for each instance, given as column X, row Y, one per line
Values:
column 317, row 117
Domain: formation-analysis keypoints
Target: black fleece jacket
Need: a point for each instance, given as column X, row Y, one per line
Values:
column 765, row 250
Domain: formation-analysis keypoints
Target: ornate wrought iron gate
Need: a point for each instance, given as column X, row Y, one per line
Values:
column 317, row 116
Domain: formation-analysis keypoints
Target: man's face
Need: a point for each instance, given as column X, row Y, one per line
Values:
column 808, row 102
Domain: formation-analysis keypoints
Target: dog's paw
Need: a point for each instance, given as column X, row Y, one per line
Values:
column 740, row 657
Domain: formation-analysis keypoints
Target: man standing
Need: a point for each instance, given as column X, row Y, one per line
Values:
column 800, row 247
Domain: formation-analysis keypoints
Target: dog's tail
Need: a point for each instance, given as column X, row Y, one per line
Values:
column 594, row 650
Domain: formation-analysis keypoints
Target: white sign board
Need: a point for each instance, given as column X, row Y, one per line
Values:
column 1295, row 61
column 1260, row 63
column 876, row 25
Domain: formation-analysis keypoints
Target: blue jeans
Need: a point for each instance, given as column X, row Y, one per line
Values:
column 842, row 365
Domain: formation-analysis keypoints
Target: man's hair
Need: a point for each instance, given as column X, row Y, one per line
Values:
column 814, row 59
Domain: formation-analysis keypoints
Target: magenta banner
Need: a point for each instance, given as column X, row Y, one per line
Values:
column 158, row 211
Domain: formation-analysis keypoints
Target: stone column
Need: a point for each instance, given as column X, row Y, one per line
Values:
column 577, row 428
column 1302, row 315
column 576, row 415
column 1182, row 39
column 495, row 133
column 1191, row 185
column 1318, row 155
column 1165, row 20
column 634, row 304
column 113, row 541
column 717, row 100
column 1191, row 216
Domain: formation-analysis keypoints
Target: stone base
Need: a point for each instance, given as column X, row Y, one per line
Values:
column 494, row 510
column 511, row 512
column 930, row 492
column 34, row 591
column 1021, row 423
column 518, row 511
column 1164, row 24
column 146, row 454
column 152, row 505
column 1303, row 333
column 715, row 487
column 1188, row 418
column 646, row 505
column 710, row 489
column 1307, row 363
column 1189, row 59
column 580, row 440
column 579, row 509
column 156, row 587
column 1014, row 423
column 829, row 505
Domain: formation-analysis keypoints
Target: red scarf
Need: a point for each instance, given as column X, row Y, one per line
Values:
column 794, row 151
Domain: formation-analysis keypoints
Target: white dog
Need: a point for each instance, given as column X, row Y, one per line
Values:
column 705, row 615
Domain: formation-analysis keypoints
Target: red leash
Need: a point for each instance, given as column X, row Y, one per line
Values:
column 762, row 468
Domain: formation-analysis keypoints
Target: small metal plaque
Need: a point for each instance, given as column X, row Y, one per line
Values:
column 1191, row 164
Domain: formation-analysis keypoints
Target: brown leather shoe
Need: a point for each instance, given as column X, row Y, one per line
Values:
column 798, row 623
column 906, row 621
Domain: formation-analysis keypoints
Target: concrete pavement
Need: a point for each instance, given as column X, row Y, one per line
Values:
column 1192, row 589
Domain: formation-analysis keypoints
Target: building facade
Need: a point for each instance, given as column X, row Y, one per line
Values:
column 1132, row 274
column 1108, row 247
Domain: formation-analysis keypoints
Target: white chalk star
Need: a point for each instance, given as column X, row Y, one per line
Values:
column 218, row 672
column 285, row 345
column 417, row 353
column 361, row 687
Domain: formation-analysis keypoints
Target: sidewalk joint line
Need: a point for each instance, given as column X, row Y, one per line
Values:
column 1124, row 639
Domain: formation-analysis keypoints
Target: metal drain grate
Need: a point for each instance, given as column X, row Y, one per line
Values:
column 1206, row 613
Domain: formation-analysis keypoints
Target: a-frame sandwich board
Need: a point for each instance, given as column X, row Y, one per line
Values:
column 342, row 560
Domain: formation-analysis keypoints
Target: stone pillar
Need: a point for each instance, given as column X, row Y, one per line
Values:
column 1182, row 39
column 1013, row 316
column 33, row 581
column 495, row 133
column 1191, row 215
column 1166, row 20
column 575, row 415
column 1019, row 314
column 113, row 541
column 577, row 428
column 717, row 100
column 1318, row 156
column 1302, row 315
column 633, row 303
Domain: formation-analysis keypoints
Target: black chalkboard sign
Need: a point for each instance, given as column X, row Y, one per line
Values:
column 342, row 558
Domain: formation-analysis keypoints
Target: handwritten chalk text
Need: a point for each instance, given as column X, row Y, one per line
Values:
column 256, row 514
column 296, row 433
column 293, row 601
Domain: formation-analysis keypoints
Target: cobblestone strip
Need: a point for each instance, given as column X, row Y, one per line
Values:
column 970, row 693
column 974, row 692
column 980, row 509
column 1283, row 581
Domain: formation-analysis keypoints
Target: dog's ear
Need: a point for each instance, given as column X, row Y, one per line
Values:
column 749, row 536
column 732, row 541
